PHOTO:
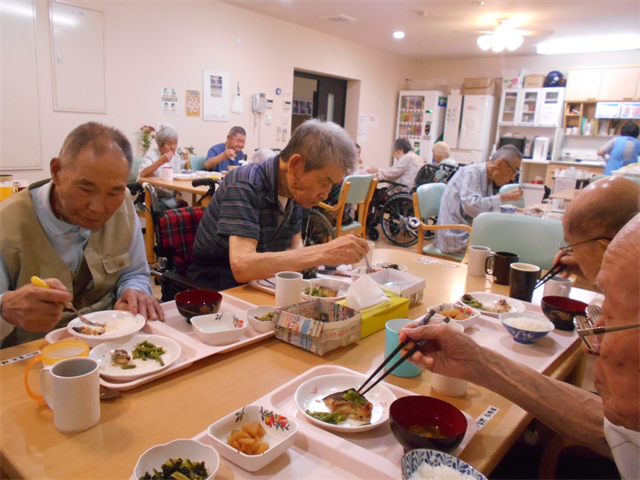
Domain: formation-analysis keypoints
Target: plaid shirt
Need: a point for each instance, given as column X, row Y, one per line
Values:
column 468, row 194
column 245, row 205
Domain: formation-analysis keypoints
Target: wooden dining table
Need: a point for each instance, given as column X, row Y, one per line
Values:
column 182, row 186
column 185, row 403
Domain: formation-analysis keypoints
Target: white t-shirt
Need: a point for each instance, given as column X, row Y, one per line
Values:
column 625, row 446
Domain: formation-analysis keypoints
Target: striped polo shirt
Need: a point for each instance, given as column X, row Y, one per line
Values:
column 245, row 205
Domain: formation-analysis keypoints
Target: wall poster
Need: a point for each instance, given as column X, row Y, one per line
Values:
column 215, row 97
column 193, row 103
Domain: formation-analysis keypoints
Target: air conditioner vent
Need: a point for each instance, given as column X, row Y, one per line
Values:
column 339, row 18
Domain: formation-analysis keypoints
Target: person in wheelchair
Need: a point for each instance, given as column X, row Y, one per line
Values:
column 80, row 233
column 251, row 228
column 162, row 154
column 405, row 167
column 475, row 189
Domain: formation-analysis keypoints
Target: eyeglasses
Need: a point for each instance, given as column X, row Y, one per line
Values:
column 568, row 249
column 515, row 171
column 592, row 335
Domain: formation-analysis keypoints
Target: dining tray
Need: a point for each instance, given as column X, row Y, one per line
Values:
column 319, row 454
column 176, row 327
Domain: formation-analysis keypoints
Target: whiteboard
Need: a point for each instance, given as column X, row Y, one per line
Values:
column 20, row 105
column 77, row 42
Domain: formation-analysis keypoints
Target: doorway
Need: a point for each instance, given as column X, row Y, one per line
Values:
column 318, row 96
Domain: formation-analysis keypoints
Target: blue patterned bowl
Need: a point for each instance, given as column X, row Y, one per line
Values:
column 526, row 337
column 415, row 458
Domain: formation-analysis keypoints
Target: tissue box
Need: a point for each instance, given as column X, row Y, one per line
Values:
column 318, row 326
column 375, row 318
column 402, row 284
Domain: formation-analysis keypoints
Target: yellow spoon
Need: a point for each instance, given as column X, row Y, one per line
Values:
column 38, row 282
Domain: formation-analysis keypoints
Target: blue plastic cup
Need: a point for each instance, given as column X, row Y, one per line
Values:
column 406, row 369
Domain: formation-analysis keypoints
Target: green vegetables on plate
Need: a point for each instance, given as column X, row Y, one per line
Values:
column 178, row 469
column 470, row 301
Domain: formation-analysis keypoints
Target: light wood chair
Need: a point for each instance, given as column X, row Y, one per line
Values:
column 356, row 190
column 426, row 205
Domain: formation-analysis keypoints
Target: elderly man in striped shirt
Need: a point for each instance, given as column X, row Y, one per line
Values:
column 251, row 228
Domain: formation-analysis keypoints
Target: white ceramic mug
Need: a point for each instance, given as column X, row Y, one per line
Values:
column 557, row 203
column 71, row 388
column 477, row 260
column 288, row 288
column 453, row 387
column 167, row 174
column 558, row 287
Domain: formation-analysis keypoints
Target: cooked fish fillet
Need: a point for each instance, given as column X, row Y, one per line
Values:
column 337, row 403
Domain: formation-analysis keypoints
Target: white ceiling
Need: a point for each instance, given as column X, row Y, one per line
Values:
column 445, row 28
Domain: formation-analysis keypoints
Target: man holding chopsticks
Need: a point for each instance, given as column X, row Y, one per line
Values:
column 607, row 422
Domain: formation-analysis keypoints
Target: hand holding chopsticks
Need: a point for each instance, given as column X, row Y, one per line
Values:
column 417, row 346
column 555, row 270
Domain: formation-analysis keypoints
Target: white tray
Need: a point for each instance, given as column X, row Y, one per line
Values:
column 264, row 286
column 320, row 454
column 176, row 327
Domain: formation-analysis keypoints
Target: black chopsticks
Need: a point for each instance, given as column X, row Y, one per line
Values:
column 417, row 346
column 555, row 270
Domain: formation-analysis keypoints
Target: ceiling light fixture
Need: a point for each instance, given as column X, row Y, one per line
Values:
column 504, row 37
column 398, row 34
column 602, row 43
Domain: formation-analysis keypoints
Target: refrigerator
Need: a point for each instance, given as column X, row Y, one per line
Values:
column 420, row 119
column 467, row 127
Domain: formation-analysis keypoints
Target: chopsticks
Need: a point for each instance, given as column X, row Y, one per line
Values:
column 417, row 346
column 555, row 270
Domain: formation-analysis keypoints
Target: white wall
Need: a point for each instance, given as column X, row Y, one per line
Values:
column 150, row 45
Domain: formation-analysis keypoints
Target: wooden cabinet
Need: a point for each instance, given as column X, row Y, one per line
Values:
column 619, row 83
column 583, row 84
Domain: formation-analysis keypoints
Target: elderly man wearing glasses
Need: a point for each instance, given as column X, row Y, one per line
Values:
column 592, row 220
column 608, row 423
column 474, row 190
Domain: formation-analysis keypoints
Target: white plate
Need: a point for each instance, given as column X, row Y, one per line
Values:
column 102, row 353
column 185, row 176
column 342, row 288
column 309, row 396
column 492, row 298
column 107, row 317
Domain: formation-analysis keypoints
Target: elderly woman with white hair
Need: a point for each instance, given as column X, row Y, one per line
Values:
column 161, row 154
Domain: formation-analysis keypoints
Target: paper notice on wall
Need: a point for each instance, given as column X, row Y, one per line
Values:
column 215, row 98
column 193, row 103
column 169, row 101
column 373, row 121
column 363, row 128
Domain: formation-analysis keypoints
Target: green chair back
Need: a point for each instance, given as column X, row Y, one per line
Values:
column 360, row 185
column 197, row 162
column 534, row 240
column 429, row 196
column 512, row 186
column 135, row 166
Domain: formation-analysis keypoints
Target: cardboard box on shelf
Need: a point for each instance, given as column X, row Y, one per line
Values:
column 479, row 86
column 534, row 81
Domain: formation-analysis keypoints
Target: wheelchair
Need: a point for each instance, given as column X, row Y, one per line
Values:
column 175, row 231
column 393, row 206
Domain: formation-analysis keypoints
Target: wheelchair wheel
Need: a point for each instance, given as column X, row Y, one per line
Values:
column 316, row 229
column 373, row 233
column 399, row 224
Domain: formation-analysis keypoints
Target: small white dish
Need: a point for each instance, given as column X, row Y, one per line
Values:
column 107, row 369
column 260, row 326
column 309, row 396
column 341, row 287
column 128, row 325
column 218, row 328
column 358, row 272
column 193, row 450
column 280, row 435
column 474, row 314
column 491, row 298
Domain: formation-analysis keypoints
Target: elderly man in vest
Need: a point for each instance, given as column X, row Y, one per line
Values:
column 80, row 233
